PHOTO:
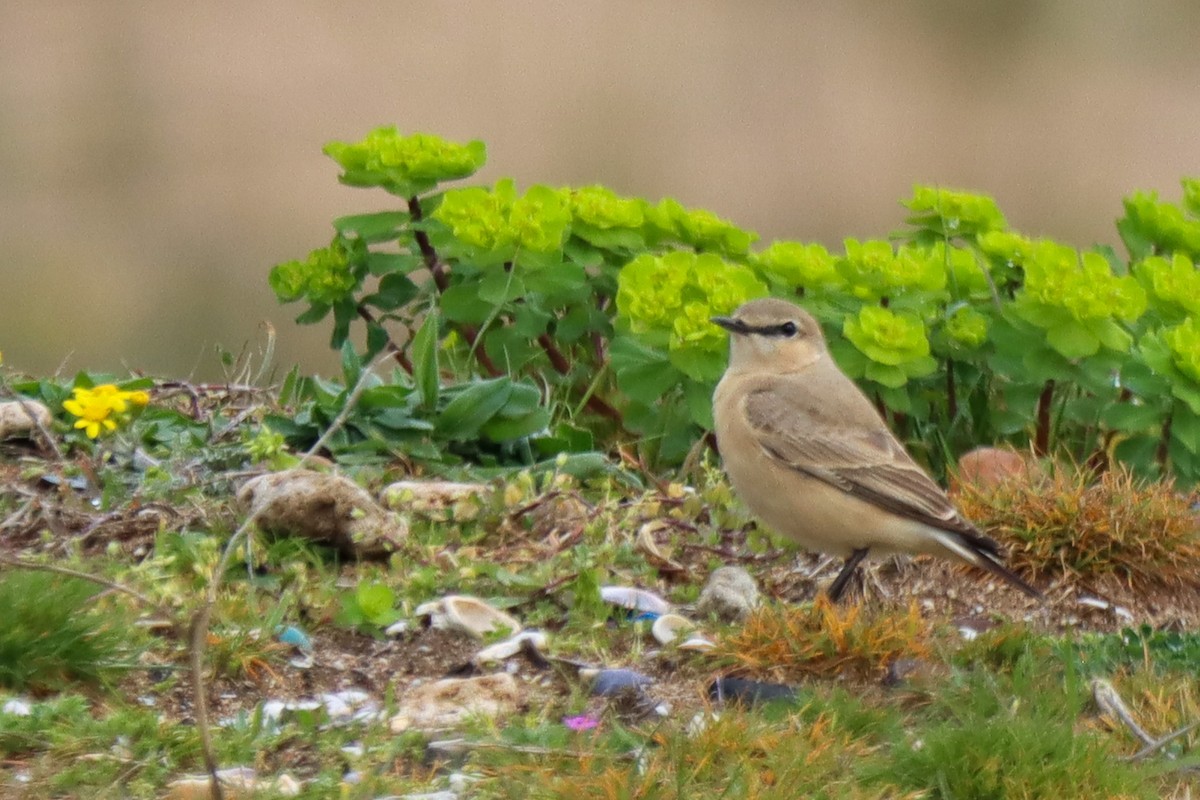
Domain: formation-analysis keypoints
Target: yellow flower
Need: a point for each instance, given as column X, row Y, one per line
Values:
column 101, row 408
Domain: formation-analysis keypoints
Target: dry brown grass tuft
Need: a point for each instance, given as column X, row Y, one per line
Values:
column 1071, row 523
column 824, row 640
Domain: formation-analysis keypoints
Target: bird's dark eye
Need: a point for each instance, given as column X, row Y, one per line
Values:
column 788, row 329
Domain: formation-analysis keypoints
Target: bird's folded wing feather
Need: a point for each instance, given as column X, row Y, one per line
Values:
column 865, row 461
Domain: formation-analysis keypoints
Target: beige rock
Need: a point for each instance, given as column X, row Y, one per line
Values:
column 16, row 422
column 324, row 508
column 731, row 593
column 451, row 701
column 237, row 783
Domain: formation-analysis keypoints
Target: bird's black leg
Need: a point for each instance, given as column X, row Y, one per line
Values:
column 838, row 587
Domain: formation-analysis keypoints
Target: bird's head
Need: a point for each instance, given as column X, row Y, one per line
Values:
column 773, row 335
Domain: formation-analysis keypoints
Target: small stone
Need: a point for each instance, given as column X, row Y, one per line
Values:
column 449, row 702
column 989, row 467
column 610, row 682
column 324, row 508
column 731, row 593
column 22, row 419
column 749, row 692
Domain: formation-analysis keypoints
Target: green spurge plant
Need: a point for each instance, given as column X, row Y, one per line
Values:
column 963, row 330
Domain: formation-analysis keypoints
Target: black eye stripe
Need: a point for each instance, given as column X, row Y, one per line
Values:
column 787, row 329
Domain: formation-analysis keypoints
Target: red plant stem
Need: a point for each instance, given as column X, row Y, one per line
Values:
column 1041, row 442
column 391, row 347
column 562, row 367
column 1162, row 453
column 432, row 262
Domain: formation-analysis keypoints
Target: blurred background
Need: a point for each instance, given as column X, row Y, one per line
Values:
column 158, row 158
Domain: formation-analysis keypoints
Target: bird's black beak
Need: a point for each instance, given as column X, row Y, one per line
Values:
column 730, row 324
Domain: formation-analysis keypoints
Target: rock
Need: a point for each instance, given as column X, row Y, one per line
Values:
column 749, row 693
column 451, row 701
column 611, row 682
column 16, row 421
column 237, row 783
column 988, row 467
column 328, row 509
column 731, row 593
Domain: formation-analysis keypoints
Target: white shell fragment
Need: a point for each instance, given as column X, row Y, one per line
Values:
column 670, row 627
column 1104, row 605
column 697, row 644
column 21, row 419
column 635, row 599
column 511, row 647
column 469, row 615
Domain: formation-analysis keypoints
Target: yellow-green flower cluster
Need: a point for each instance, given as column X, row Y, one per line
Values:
column 699, row 229
column 1184, row 342
column 954, row 213
column 896, row 344
column 405, row 165
column 324, row 277
column 1191, row 195
column 669, row 301
column 872, row 270
column 603, row 208
column 807, row 266
column 1164, row 225
column 1084, row 286
column 967, row 328
column 101, row 409
column 502, row 223
column 1174, row 283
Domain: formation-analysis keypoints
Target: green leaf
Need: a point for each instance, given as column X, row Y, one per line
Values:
column 425, row 361
column 499, row 287
column 1185, row 428
column 885, row 374
column 506, row 429
column 1139, row 452
column 377, row 339
column 351, row 364
column 394, row 291
column 530, row 321
column 315, row 313
column 1073, row 340
column 377, row 227
column 1111, row 335
column 1132, row 418
column 472, row 408
column 389, row 263
column 461, row 303
column 561, row 283
column 698, row 397
column 343, row 314
column 377, row 603
column 1188, row 394
column 643, row 374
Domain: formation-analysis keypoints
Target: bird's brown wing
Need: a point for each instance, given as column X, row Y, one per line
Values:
column 864, row 460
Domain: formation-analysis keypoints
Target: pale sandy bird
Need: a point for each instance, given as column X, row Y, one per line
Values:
column 809, row 453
